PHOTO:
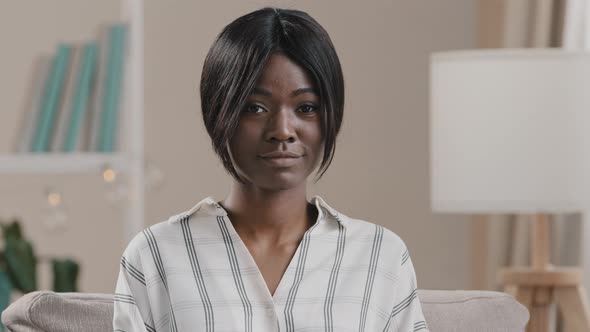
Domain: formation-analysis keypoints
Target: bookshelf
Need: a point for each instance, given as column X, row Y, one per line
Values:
column 60, row 163
column 129, row 159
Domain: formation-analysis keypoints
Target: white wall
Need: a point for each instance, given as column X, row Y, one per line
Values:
column 380, row 170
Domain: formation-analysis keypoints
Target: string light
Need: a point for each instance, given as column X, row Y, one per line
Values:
column 109, row 175
column 54, row 198
column 54, row 216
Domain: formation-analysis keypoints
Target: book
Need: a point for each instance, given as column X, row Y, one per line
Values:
column 112, row 89
column 80, row 103
column 91, row 129
column 50, row 100
column 32, row 105
column 64, row 110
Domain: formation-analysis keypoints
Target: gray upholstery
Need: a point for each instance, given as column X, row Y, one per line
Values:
column 455, row 311
column 48, row 311
column 472, row 311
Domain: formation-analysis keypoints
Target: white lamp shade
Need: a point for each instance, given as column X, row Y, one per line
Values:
column 510, row 131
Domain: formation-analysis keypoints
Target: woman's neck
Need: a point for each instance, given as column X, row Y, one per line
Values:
column 274, row 218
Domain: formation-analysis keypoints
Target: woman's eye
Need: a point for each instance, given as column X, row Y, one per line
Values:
column 253, row 109
column 308, row 108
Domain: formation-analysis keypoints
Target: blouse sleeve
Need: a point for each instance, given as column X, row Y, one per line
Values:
column 406, row 314
column 132, row 312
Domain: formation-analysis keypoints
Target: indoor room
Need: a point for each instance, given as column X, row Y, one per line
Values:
column 295, row 165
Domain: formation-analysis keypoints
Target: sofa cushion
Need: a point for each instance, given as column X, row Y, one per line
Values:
column 444, row 311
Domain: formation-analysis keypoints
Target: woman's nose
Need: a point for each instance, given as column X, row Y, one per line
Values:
column 281, row 126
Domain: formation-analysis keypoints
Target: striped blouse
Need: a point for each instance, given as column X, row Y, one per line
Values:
column 194, row 273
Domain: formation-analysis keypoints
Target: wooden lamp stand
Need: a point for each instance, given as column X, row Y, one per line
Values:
column 542, row 284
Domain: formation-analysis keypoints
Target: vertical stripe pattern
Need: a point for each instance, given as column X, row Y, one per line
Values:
column 289, row 321
column 124, row 298
column 405, row 256
column 400, row 307
column 134, row 272
column 193, row 272
column 236, row 272
column 198, row 275
column 155, row 251
column 329, row 302
column 375, row 250
column 421, row 325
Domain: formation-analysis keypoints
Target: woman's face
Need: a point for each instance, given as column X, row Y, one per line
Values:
column 278, row 142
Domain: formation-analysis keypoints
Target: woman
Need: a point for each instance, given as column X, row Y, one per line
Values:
column 264, row 258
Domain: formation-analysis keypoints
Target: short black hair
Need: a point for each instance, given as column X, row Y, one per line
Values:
column 236, row 60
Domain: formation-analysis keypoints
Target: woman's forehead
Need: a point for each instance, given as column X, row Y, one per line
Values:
column 281, row 74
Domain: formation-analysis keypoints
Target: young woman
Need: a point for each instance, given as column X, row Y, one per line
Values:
column 265, row 258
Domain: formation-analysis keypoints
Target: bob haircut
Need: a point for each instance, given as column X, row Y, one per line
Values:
column 237, row 57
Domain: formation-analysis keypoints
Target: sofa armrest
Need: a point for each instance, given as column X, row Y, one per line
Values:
column 472, row 311
column 45, row 311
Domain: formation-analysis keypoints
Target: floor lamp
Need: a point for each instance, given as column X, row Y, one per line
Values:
column 510, row 133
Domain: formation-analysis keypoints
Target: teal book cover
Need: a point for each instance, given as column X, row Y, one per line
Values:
column 80, row 101
column 91, row 131
column 32, row 106
column 51, row 100
column 63, row 111
column 112, row 91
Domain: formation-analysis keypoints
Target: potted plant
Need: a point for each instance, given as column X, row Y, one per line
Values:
column 18, row 267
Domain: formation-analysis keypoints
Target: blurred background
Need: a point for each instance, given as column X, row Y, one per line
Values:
column 379, row 173
column 86, row 202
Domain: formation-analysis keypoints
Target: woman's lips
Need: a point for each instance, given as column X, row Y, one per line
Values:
column 281, row 161
column 280, row 154
column 281, row 158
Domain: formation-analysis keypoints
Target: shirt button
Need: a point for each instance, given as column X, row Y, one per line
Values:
column 270, row 312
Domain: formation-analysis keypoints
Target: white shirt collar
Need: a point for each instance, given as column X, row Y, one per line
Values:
column 209, row 206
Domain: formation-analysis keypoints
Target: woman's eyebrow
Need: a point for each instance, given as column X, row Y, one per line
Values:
column 264, row 92
column 304, row 90
column 260, row 91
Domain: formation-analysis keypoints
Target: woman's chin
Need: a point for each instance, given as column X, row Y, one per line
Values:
column 279, row 183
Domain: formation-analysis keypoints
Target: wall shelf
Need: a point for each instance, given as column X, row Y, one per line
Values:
column 60, row 163
column 129, row 159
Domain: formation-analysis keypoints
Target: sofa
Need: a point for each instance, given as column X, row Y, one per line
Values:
column 455, row 311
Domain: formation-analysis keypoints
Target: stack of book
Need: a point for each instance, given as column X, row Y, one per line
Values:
column 75, row 98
